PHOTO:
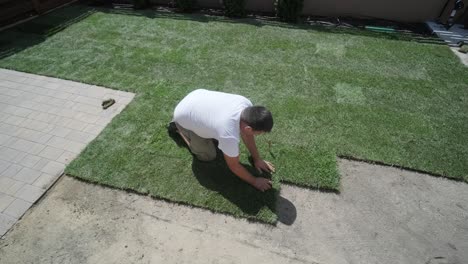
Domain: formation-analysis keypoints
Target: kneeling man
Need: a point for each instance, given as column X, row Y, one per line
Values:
column 206, row 115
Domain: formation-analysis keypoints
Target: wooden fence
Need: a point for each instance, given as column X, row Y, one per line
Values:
column 397, row 10
column 11, row 10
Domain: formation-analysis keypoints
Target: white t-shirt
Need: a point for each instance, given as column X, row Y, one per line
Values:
column 215, row 115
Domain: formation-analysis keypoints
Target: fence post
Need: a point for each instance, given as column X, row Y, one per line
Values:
column 37, row 6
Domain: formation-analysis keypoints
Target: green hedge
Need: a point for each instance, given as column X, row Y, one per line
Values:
column 186, row 5
column 289, row 10
column 234, row 8
column 140, row 4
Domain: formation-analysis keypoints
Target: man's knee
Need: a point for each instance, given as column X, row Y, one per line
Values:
column 206, row 151
column 206, row 156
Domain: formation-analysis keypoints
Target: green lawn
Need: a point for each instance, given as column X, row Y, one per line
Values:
column 332, row 92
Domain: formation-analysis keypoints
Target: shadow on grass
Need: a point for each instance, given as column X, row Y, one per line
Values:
column 35, row 31
column 172, row 133
column 216, row 176
column 22, row 36
column 260, row 21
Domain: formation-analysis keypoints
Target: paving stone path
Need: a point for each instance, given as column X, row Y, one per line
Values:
column 44, row 124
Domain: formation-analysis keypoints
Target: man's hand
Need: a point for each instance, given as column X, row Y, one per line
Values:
column 262, row 184
column 263, row 165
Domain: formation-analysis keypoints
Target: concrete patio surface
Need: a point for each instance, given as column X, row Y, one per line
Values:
column 44, row 123
column 451, row 36
column 383, row 215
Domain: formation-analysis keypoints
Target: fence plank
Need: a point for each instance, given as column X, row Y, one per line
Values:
column 11, row 10
column 36, row 5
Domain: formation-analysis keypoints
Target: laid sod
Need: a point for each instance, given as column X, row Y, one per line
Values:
column 136, row 152
column 332, row 92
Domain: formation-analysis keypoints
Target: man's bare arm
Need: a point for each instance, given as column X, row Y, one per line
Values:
column 249, row 141
column 234, row 165
column 260, row 164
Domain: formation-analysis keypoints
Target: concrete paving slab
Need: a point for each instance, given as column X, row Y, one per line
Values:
column 383, row 215
column 452, row 37
column 17, row 208
column 27, row 175
column 44, row 181
column 5, row 201
column 44, row 123
column 29, row 193
column 6, row 221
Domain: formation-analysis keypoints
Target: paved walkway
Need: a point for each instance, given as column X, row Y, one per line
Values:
column 44, row 124
column 452, row 36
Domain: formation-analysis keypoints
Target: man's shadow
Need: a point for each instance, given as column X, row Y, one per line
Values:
column 216, row 176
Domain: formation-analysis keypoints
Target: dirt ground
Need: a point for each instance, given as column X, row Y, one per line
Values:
column 382, row 215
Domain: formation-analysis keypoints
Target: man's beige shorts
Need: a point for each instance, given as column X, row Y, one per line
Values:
column 203, row 148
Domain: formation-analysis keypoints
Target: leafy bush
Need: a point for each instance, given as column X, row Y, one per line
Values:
column 185, row 5
column 234, row 8
column 99, row 2
column 140, row 4
column 289, row 10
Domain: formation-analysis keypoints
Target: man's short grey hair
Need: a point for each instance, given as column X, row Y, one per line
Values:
column 258, row 118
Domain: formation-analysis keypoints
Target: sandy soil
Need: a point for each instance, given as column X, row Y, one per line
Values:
column 382, row 215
